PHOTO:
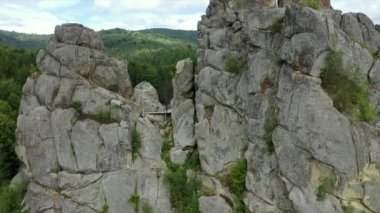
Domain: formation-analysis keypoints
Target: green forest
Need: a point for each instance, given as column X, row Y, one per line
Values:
column 15, row 66
column 151, row 54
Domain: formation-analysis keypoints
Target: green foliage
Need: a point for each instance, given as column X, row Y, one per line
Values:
column 103, row 116
column 136, row 143
column 15, row 67
column 167, row 145
column 105, row 208
column 76, row 105
column 187, row 35
column 276, row 25
column 377, row 27
column 269, row 126
column 184, row 192
column 348, row 208
column 234, row 64
column 11, row 197
column 347, row 88
column 327, row 186
column 240, row 206
column 309, row 3
column 152, row 54
column 135, row 201
column 236, row 177
column 146, row 208
column 23, row 40
column 194, row 162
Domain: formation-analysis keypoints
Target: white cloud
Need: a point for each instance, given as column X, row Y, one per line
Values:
column 27, row 19
column 102, row 4
column 147, row 5
column 138, row 21
column 117, row 5
column 53, row 4
column 370, row 8
column 41, row 16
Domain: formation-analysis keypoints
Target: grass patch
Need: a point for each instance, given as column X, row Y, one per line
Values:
column 270, row 124
column 105, row 208
column 236, row 177
column 348, row 208
column 276, row 25
column 184, row 192
column 234, row 64
column 240, row 206
column 103, row 117
column 309, row 3
column 77, row 105
column 194, row 163
column 136, row 143
column 135, row 201
column 166, row 146
column 11, row 197
column 347, row 89
column 327, row 186
column 146, row 208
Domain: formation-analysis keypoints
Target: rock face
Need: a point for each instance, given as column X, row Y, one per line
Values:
column 258, row 99
column 74, row 134
column 183, row 112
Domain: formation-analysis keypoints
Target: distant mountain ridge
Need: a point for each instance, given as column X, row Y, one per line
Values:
column 36, row 41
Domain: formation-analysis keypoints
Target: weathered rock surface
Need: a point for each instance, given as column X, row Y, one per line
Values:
column 258, row 97
column 273, row 111
column 74, row 133
column 183, row 111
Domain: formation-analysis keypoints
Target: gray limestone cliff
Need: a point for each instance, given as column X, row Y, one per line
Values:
column 272, row 111
column 74, row 133
column 258, row 95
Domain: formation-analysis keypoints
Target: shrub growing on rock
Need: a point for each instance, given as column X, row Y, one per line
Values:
column 76, row 105
column 347, row 88
column 184, row 191
column 11, row 197
column 234, row 64
column 269, row 126
column 146, row 208
column 327, row 186
column 103, row 117
column 136, row 143
column 135, row 201
column 236, row 177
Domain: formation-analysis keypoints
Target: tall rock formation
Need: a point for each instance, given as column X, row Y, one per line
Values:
column 260, row 99
column 282, row 115
column 74, row 133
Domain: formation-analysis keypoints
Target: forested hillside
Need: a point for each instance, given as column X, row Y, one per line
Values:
column 15, row 66
column 23, row 40
column 152, row 54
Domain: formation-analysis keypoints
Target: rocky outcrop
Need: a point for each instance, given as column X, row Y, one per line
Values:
column 260, row 98
column 183, row 112
column 74, row 134
column 268, row 134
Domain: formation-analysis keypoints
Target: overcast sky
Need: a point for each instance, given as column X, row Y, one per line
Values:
column 41, row 16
